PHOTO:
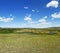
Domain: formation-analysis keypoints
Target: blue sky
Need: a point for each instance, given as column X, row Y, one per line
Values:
column 29, row 13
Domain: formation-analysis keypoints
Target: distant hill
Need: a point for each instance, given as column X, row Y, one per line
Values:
column 55, row 30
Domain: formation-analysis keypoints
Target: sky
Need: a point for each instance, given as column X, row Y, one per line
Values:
column 29, row 13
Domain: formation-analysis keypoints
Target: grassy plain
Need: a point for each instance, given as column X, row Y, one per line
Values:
column 29, row 42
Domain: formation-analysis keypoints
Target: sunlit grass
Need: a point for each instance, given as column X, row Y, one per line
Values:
column 27, row 43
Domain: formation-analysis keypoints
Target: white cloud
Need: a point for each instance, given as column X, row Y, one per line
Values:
column 45, row 17
column 4, row 19
column 26, row 7
column 44, row 21
column 53, row 3
column 36, row 24
column 55, row 15
column 27, row 18
column 33, row 10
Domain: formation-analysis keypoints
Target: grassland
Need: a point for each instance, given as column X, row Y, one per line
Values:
column 29, row 41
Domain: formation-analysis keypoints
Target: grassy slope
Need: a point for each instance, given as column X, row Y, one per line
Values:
column 29, row 43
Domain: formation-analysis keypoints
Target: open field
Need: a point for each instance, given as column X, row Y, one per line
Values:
column 29, row 42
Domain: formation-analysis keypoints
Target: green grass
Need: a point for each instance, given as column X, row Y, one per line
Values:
column 29, row 43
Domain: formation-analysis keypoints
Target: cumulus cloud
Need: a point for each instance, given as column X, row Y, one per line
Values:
column 53, row 3
column 4, row 19
column 37, row 24
column 33, row 10
column 26, row 7
column 28, row 18
column 55, row 15
column 43, row 21
column 45, row 17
